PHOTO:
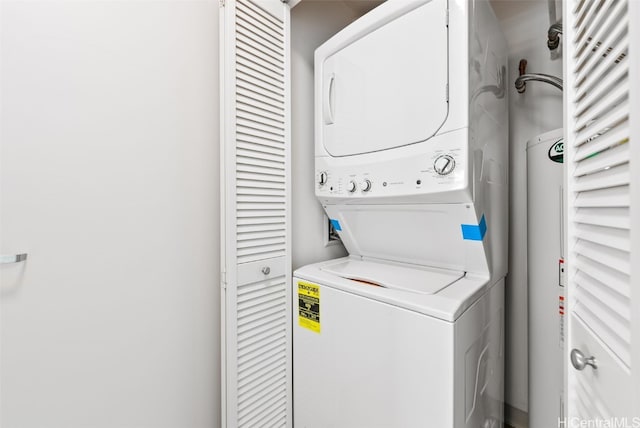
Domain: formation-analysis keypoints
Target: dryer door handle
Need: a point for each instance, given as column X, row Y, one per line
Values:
column 328, row 100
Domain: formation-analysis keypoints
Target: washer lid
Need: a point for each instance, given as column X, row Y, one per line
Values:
column 418, row 279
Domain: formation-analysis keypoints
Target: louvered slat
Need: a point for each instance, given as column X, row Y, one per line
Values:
column 592, row 80
column 259, row 155
column 250, row 197
column 612, row 98
column 255, row 178
column 601, row 125
column 592, row 406
column 259, row 130
column 268, row 72
column 616, row 303
column 598, row 319
column 616, row 280
column 261, row 149
column 271, row 86
column 252, row 395
column 251, row 69
column 259, row 170
column 258, row 365
column 610, row 197
column 614, row 238
column 608, row 140
column 259, row 326
column 255, row 24
column 266, row 18
column 249, row 38
column 593, row 90
column 611, row 177
column 578, row 6
column 587, row 20
column 263, row 234
column 261, row 111
column 263, row 365
column 257, row 334
column 260, row 144
column 599, row 174
column 607, row 38
column 247, row 96
column 607, row 217
column 252, row 57
column 614, row 259
column 585, row 11
column 262, row 120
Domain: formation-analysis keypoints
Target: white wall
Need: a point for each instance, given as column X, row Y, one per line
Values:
column 110, row 181
column 539, row 109
column 313, row 22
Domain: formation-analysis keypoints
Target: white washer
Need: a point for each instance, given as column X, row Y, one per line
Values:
column 411, row 168
column 423, row 348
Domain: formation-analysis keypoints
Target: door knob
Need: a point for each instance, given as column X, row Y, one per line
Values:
column 579, row 361
column 13, row 258
column 266, row 270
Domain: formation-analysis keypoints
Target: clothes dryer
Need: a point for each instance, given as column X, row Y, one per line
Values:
column 411, row 168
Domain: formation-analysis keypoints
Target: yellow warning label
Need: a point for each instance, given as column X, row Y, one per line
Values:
column 309, row 306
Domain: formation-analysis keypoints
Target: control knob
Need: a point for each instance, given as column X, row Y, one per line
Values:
column 351, row 187
column 365, row 185
column 322, row 178
column 444, row 164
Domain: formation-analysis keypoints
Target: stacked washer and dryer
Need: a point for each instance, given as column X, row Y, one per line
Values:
column 411, row 167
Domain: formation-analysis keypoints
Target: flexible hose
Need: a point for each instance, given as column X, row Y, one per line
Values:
column 546, row 78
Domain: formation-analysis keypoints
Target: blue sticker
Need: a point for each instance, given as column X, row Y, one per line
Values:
column 336, row 225
column 473, row 232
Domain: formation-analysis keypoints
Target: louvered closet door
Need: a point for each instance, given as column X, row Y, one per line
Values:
column 255, row 147
column 601, row 282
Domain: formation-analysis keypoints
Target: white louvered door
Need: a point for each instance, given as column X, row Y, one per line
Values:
column 602, row 279
column 255, row 230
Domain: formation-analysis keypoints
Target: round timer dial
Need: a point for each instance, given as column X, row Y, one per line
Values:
column 322, row 178
column 444, row 164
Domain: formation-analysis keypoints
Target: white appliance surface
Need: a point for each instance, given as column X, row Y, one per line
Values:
column 374, row 364
column 417, row 279
column 374, row 95
column 443, row 296
column 407, row 185
column 411, row 168
column 545, row 293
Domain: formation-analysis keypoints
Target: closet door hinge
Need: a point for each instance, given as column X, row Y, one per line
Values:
column 447, row 19
column 223, row 280
column 447, row 92
column 222, row 3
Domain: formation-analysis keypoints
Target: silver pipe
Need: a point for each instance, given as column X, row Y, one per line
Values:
column 546, row 78
column 553, row 36
column 551, row 4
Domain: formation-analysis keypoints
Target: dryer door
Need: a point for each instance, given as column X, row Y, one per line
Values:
column 389, row 87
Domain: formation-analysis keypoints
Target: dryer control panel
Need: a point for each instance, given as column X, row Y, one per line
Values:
column 435, row 172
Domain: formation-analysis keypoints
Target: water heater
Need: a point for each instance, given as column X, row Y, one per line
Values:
column 545, row 260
